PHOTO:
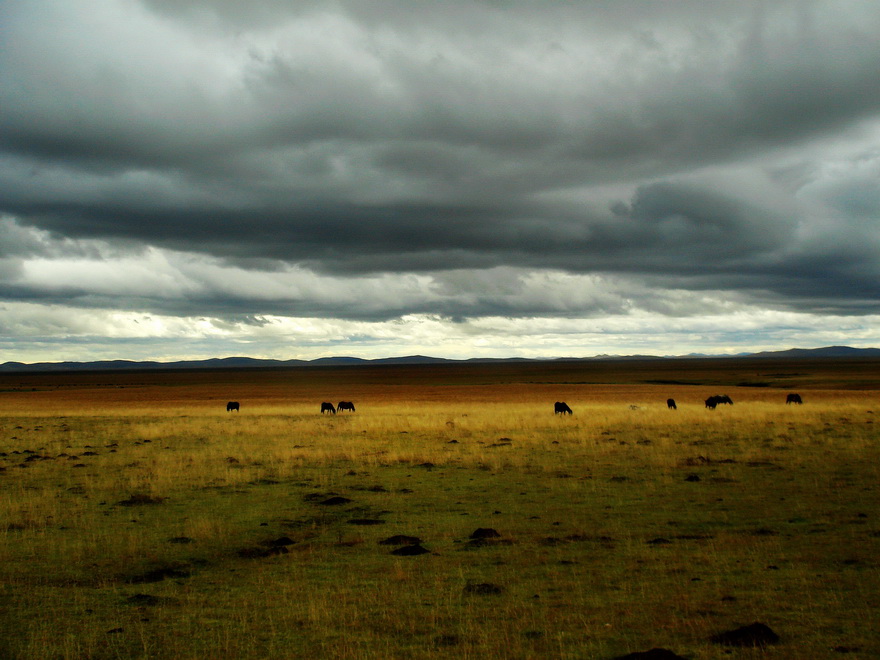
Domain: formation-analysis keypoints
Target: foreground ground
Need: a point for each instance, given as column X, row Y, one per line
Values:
column 140, row 519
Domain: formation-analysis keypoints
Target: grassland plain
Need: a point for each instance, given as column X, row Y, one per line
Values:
column 139, row 519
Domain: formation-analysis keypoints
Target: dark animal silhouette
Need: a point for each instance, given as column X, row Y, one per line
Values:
column 232, row 405
column 561, row 408
column 794, row 398
column 345, row 405
column 713, row 401
column 327, row 407
column 670, row 403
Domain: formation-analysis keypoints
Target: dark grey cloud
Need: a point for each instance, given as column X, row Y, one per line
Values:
column 695, row 146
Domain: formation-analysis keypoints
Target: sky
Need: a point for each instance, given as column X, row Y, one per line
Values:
column 183, row 179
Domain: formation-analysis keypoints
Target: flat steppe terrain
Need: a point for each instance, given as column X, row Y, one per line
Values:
column 452, row 515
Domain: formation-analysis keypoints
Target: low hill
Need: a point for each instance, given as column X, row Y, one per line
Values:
column 257, row 363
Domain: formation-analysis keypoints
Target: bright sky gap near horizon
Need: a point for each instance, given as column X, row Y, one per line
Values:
column 184, row 179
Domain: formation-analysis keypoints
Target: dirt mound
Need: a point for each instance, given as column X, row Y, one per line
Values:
column 260, row 553
column 652, row 654
column 754, row 635
column 148, row 600
column 335, row 501
column 159, row 574
column 485, row 533
column 139, row 499
column 401, row 539
column 410, row 551
column 280, row 542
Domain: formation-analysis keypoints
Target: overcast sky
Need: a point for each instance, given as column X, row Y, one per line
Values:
column 200, row 178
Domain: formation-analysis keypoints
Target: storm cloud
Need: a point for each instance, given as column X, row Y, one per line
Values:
column 367, row 163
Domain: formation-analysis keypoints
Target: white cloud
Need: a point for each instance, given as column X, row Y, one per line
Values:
column 56, row 333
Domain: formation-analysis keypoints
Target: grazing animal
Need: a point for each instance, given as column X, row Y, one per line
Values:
column 561, row 408
column 713, row 401
column 670, row 403
column 232, row 405
column 327, row 407
column 345, row 405
column 794, row 398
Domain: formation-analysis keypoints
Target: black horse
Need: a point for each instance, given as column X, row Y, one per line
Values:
column 345, row 405
column 670, row 403
column 794, row 398
column 561, row 408
column 713, row 401
column 327, row 407
column 232, row 405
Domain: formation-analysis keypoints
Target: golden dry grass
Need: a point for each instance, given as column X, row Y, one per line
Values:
column 623, row 527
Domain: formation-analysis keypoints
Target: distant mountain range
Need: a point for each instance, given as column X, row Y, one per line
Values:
column 256, row 363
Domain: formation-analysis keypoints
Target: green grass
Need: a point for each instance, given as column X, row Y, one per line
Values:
column 621, row 529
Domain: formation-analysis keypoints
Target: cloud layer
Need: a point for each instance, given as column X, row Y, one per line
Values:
column 369, row 162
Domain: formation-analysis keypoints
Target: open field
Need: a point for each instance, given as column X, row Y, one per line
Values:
column 139, row 519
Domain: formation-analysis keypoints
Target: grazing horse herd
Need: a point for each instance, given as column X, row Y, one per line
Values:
column 559, row 408
column 713, row 401
column 327, row 407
